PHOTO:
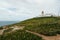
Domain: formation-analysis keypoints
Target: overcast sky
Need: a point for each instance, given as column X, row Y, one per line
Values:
column 17, row 10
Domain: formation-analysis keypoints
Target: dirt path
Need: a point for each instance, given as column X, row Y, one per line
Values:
column 14, row 28
column 45, row 37
column 1, row 31
column 18, row 28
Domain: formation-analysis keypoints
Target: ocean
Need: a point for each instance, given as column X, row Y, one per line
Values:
column 2, row 23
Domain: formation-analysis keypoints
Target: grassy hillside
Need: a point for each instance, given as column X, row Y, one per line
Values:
column 49, row 26
column 36, row 20
column 19, row 35
column 42, row 25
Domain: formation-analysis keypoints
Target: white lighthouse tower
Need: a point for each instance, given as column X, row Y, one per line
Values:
column 42, row 13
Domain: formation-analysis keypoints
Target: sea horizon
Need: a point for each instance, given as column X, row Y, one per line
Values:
column 3, row 23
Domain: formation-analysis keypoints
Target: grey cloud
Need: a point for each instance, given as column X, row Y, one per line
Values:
column 22, row 9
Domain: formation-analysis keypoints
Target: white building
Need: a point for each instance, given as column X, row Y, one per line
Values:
column 43, row 14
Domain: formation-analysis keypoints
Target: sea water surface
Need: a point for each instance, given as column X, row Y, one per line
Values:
column 3, row 23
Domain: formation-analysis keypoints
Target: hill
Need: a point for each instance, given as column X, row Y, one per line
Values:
column 43, row 25
column 49, row 26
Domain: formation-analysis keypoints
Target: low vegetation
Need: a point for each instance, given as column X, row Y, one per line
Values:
column 19, row 35
column 49, row 26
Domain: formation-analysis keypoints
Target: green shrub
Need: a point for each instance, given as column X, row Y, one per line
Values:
column 20, row 35
column 1, row 28
column 8, row 30
column 58, row 32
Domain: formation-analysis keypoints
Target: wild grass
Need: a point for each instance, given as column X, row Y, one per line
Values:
column 20, row 35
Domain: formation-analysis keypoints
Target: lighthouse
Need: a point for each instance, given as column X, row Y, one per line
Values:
column 42, row 13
